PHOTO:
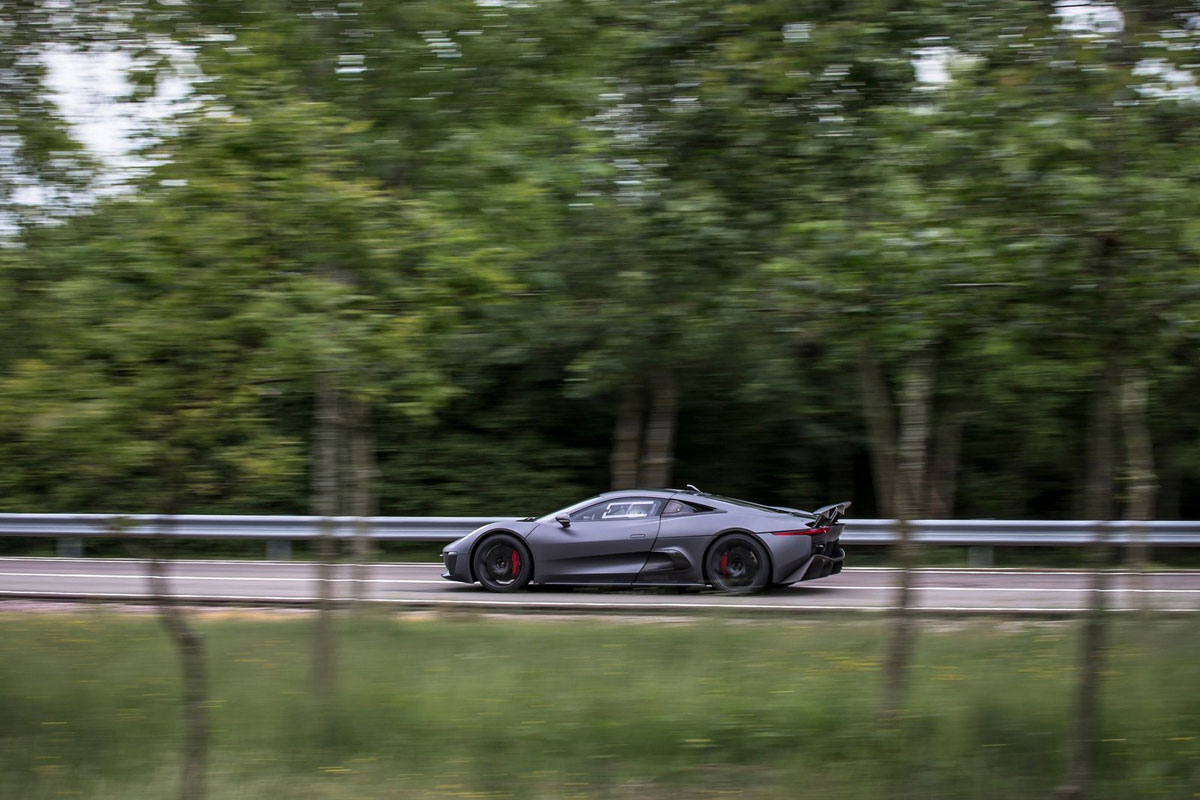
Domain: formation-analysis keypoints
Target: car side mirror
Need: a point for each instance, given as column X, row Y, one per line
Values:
column 564, row 520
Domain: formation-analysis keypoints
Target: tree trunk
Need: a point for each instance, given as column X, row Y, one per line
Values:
column 1082, row 755
column 1170, row 494
column 943, row 471
column 841, row 472
column 327, row 433
column 193, row 760
column 658, row 454
column 915, row 397
column 881, row 431
column 1139, row 455
column 190, row 646
column 627, row 437
column 1082, row 758
column 361, row 492
column 1098, row 468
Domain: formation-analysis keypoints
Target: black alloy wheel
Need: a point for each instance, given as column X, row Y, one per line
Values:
column 738, row 563
column 502, row 563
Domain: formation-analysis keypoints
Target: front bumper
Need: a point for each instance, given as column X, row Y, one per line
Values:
column 457, row 568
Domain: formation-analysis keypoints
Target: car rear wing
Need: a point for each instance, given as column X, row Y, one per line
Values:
column 829, row 515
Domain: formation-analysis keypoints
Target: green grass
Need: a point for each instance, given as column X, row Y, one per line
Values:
column 496, row 707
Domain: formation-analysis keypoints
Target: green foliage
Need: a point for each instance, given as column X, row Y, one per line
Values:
column 484, row 220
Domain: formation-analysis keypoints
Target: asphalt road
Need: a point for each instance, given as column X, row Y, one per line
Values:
column 419, row 585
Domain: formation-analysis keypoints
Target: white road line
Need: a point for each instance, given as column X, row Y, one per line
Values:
column 600, row 605
column 174, row 577
column 104, row 560
column 1080, row 589
column 749, row 606
column 231, row 561
column 833, row 587
column 1016, row 571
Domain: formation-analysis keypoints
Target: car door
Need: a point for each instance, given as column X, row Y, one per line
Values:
column 684, row 533
column 606, row 542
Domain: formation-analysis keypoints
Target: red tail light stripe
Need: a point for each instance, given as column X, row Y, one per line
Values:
column 805, row 532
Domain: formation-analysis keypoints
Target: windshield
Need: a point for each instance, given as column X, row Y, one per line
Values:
column 570, row 509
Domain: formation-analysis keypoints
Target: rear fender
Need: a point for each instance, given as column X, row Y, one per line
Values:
column 756, row 536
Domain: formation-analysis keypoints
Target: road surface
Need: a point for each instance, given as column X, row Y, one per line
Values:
column 946, row 590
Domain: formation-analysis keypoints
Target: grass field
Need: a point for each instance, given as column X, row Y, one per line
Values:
column 505, row 707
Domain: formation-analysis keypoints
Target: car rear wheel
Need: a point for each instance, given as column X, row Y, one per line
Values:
column 738, row 563
column 502, row 563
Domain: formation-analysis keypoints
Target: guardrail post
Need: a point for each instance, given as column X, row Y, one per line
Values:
column 279, row 550
column 69, row 548
column 981, row 555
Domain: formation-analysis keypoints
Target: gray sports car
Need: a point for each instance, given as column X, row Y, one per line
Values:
column 659, row 537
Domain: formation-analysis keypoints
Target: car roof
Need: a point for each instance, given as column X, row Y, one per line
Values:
column 714, row 500
column 727, row 503
column 640, row 493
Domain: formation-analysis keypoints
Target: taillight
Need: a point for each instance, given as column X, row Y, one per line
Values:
column 805, row 532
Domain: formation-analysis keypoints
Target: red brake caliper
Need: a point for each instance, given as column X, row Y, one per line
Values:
column 516, row 559
column 725, row 564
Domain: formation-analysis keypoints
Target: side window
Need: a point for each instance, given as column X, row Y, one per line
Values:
column 625, row 508
column 677, row 509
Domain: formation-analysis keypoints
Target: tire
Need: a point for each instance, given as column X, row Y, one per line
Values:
column 502, row 563
column 738, row 564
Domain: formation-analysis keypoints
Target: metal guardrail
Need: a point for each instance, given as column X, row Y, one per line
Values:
column 1007, row 532
column 970, row 532
column 191, row 526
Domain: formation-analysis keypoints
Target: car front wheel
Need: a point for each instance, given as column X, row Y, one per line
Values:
column 502, row 563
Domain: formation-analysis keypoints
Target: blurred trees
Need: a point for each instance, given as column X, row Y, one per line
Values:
column 531, row 252
column 489, row 256
column 482, row 256
column 39, row 160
